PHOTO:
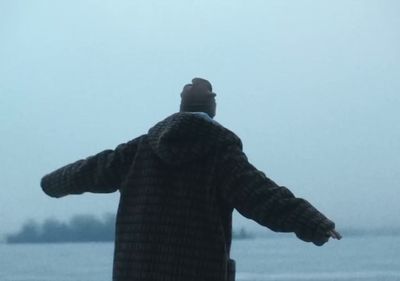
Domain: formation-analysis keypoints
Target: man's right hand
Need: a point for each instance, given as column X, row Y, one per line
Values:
column 330, row 234
column 321, row 235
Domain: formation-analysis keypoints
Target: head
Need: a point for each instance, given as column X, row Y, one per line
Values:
column 198, row 97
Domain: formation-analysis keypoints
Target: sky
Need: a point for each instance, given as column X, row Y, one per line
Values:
column 311, row 87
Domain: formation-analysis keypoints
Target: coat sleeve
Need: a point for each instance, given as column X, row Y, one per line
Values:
column 101, row 173
column 257, row 197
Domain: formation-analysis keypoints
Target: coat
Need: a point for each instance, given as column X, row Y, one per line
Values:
column 179, row 185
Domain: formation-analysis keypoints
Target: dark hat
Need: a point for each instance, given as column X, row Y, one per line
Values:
column 198, row 97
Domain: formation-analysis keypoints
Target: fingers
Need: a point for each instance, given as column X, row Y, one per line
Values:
column 335, row 235
column 331, row 234
column 321, row 236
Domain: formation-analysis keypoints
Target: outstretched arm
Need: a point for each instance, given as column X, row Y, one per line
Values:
column 257, row 197
column 101, row 173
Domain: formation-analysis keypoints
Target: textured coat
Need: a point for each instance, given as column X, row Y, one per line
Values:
column 179, row 184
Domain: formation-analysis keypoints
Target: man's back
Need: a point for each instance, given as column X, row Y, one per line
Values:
column 179, row 184
column 172, row 223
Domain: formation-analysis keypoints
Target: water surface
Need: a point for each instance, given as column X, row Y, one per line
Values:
column 260, row 259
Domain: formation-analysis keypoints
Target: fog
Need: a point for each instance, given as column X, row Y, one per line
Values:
column 311, row 87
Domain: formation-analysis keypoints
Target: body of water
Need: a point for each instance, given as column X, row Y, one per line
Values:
column 260, row 259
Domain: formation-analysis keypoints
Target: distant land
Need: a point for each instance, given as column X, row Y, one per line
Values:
column 80, row 228
column 88, row 228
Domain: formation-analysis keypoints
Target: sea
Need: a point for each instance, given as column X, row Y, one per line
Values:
column 259, row 259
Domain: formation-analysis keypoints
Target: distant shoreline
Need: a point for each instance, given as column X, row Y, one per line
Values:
column 353, row 232
column 88, row 228
column 346, row 234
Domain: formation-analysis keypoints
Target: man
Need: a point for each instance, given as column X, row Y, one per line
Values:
column 179, row 184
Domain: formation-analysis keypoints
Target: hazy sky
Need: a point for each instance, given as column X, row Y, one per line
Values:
column 311, row 87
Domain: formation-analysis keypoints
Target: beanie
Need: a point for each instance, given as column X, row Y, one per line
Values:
column 198, row 97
